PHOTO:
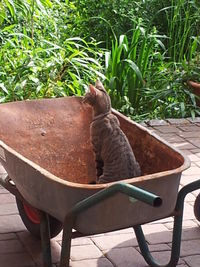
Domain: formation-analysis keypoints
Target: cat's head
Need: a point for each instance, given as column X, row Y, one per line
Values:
column 98, row 98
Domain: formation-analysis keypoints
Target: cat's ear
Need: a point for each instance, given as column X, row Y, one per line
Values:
column 92, row 90
column 98, row 84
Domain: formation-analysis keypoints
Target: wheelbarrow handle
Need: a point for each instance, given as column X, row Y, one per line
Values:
column 119, row 187
column 127, row 189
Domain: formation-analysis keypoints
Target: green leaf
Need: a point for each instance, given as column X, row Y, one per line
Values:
column 107, row 58
column 2, row 86
column 2, row 99
column 8, row 28
column 135, row 68
column 182, row 106
column 11, row 6
column 39, row 87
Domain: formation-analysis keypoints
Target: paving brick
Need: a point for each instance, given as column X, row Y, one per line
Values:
column 6, row 198
column 195, row 141
column 156, row 123
column 195, row 120
column 123, row 231
column 163, row 221
column 188, row 212
column 188, row 134
column 159, row 247
column 11, row 223
column 16, row 260
column 3, row 190
column 187, row 152
column 178, row 121
column 113, row 241
column 196, row 151
column 157, row 233
column 193, row 261
column 58, row 238
column 190, row 247
column 33, row 246
column 191, row 233
column 85, row 252
column 188, row 178
column 101, row 262
column 187, row 224
column 184, row 145
column 190, row 198
column 8, row 236
column 164, row 257
column 172, row 138
column 167, row 129
column 81, row 241
column 2, row 170
column 192, row 157
column 126, row 257
column 8, row 246
column 8, row 209
column 196, row 192
column 197, row 163
column 189, row 128
column 192, row 171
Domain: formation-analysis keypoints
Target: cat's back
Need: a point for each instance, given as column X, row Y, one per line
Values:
column 116, row 152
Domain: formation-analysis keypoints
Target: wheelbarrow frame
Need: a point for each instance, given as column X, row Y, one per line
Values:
column 72, row 190
column 124, row 188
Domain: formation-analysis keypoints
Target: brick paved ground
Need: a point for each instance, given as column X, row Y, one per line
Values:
column 120, row 249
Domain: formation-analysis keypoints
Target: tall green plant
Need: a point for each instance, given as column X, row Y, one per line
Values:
column 128, row 65
column 182, row 26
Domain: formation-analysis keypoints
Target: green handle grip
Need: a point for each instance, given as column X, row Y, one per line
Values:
column 121, row 187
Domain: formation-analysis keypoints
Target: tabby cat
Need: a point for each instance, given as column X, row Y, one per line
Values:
column 113, row 154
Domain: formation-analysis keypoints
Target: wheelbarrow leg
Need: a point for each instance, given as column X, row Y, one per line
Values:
column 176, row 243
column 177, row 231
column 176, row 240
column 45, row 239
column 66, row 241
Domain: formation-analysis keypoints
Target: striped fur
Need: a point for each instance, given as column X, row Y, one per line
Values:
column 114, row 157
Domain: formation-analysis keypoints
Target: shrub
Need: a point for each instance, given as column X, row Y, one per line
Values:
column 38, row 58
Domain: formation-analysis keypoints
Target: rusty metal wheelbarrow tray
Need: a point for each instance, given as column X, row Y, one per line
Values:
column 46, row 151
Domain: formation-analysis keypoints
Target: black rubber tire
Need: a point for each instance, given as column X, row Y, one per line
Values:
column 197, row 208
column 34, row 228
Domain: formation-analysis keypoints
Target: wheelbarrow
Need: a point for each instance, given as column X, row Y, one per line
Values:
column 45, row 149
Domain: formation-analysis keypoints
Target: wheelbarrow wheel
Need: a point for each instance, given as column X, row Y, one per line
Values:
column 31, row 219
column 197, row 207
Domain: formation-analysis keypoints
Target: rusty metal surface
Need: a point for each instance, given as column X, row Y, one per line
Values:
column 53, row 134
column 45, row 148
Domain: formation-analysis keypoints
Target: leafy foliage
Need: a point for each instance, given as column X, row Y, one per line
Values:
column 102, row 19
column 127, row 65
column 42, row 60
column 145, row 51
